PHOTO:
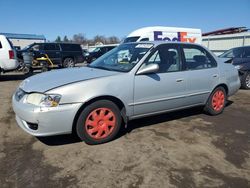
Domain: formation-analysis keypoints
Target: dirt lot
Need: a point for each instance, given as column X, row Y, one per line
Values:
column 180, row 149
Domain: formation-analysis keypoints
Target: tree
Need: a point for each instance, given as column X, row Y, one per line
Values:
column 113, row 40
column 58, row 39
column 80, row 38
column 99, row 39
column 65, row 39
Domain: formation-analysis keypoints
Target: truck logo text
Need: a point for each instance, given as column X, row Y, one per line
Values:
column 181, row 37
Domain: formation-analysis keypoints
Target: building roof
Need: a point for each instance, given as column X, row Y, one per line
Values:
column 23, row 36
column 231, row 30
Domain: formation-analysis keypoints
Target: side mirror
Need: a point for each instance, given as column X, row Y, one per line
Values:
column 151, row 68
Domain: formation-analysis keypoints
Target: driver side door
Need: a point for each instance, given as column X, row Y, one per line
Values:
column 164, row 90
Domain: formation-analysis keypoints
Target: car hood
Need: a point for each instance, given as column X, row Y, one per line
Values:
column 50, row 80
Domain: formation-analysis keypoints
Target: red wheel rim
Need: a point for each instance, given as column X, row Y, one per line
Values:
column 100, row 123
column 218, row 100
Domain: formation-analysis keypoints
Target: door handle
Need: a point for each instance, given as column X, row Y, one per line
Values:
column 215, row 75
column 180, row 80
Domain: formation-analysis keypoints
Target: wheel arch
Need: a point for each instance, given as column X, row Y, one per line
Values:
column 113, row 99
column 224, row 86
column 68, row 56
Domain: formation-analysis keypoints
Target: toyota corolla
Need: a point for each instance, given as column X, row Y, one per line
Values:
column 131, row 81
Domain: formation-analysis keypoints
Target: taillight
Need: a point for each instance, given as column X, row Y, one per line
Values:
column 11, row 54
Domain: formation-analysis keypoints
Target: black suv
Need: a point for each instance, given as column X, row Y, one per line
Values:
column 241, row 60
column 98, row 52
column 61, row 54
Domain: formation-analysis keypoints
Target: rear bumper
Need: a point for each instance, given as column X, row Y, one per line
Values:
column 10, row 65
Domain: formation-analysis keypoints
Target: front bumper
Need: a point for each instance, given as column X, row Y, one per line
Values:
column 49, row 121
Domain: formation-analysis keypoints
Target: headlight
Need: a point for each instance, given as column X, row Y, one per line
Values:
column 51, row 100
column 238, row 66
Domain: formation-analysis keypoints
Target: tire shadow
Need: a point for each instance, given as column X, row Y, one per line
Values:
column 59, row 140
column 13, row 77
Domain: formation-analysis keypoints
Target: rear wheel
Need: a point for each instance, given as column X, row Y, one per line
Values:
column 99, row 122
column 68, row 63
column 245, row 81
column 216, row 102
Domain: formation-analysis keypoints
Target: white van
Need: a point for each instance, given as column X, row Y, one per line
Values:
column 159, row 33
column 8, row 58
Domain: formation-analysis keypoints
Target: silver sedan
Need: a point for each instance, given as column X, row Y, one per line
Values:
column 131, row 81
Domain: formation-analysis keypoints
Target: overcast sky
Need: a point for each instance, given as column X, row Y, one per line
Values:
column 113, row 17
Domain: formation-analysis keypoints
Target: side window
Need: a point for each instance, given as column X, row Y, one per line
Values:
column 57, row 47
column 1, row 45
column 50, row 47
column 246, row 53
column 167, row 57
column 197, row 58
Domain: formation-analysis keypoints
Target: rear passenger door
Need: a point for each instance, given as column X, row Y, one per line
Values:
column 202, row 73
column 54, row 52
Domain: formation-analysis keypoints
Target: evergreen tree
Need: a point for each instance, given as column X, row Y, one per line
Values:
column 58, row 39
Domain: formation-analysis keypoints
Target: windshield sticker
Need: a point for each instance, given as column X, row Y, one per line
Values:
column 144, row 45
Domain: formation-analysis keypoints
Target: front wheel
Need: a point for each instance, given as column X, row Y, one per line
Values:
column 68, row 63
column 216, row 102
column 245, row 81
column 99, row 122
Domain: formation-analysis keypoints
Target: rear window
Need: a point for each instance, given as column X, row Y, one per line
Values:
column 233, row 53
column 71, row 47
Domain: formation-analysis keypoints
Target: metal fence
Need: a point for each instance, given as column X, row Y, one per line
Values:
column 220, row 43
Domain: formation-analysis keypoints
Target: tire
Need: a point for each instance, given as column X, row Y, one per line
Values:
column 216, row 101
column 27, row 70
column 245, row 81
column 92, row 125
column 68, row 62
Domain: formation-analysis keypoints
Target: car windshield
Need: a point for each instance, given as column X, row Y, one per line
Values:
column 233, row 53
column 122, row 58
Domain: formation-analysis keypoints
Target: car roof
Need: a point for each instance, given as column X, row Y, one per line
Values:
column 54, row 43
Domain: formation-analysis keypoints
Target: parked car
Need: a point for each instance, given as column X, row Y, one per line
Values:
column 241, row 60
column 150, row 78
column 62, row 54
column 85, row 55
column 98, row 52
column 8, row 59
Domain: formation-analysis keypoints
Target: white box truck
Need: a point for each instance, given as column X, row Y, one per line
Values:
column 158, row 33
